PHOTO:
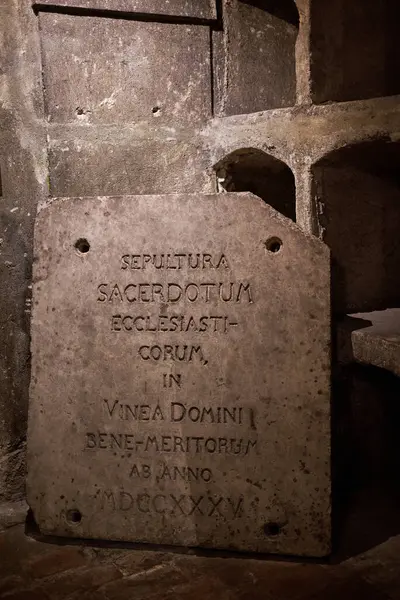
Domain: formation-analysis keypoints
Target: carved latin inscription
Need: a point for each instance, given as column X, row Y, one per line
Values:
column 180, row 374
column 199, row 282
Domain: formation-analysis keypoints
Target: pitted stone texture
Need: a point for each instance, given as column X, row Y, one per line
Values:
column 371, row 339
column 194, row 409
column 100, row 70
column 22, row 185
column 200, row 9
column 96, row 164
column 260, row 56
column 12, row 513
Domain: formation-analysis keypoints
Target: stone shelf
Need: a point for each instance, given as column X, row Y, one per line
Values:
column 372, row 339
column 318, row 129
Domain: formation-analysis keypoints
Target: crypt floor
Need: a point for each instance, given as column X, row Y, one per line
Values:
column 366, row 565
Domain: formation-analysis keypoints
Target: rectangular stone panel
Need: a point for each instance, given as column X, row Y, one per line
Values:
column 199, row 9
column 180, row 386
column 260, row 69
column 117, row 164
column 106, row 71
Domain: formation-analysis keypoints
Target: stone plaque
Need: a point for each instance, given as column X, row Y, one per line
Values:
column 181, row 374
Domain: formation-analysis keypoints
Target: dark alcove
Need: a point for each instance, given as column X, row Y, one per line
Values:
column 355, row 49
column 252, row 170
column 358, row 192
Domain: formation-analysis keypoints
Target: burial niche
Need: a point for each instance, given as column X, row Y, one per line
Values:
column 357, row 189
column 261, row 65
column 255, row 171
column 355, row 49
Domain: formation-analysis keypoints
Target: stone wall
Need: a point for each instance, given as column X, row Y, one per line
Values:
column 105, row 98
column 24, row 184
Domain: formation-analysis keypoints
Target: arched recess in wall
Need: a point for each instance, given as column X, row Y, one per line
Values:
column 260, row 63
column 355, row 50
column 252, row 170
column 357, row 190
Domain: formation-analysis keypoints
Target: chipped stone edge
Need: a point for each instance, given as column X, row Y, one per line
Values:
column 244, row 196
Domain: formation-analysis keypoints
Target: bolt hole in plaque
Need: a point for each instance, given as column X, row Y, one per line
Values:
column 74, row 516
column 274, row 245
column 272, row 529
column 82, row 246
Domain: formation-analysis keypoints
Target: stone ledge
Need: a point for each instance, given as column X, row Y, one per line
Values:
column 371, row 339
column 311, row 131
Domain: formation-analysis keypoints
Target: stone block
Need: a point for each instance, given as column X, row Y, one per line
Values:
column 260, row 61
column 199, row 9
column 85, row 167
column 106, row 71
column 180, row 386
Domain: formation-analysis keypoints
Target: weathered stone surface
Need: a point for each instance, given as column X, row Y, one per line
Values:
column 371, row 339
column 83, row 166
column 22, row 184
column 337, row 66
column 99, row 70
column 183, row 404
column 260, row 41
column 12, row 513
column 201, row 9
